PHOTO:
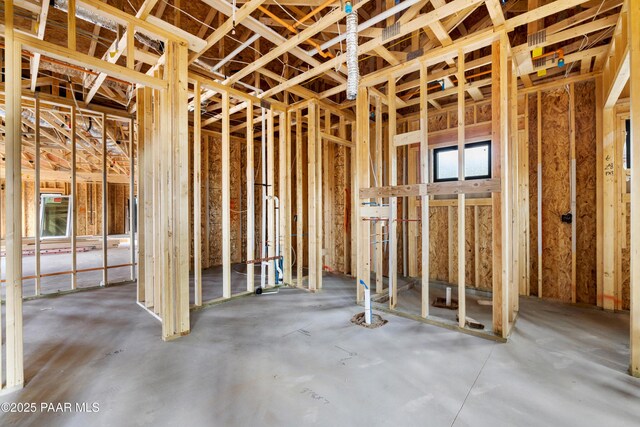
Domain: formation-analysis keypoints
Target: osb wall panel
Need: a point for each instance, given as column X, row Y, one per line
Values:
column 626, row 260
column 485, row 250
column 402, row 153
column 469, row 246
column 339, row 197
column 585, row 118
column 533, row 192
column 484, row 113
column 556, row 236
column 468, row 115
column 215, row 199
column 437, row 121
column 438, row 244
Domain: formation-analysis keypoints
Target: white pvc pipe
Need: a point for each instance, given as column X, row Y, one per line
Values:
column 380, row 17
column 448, row 298
column 235, row 53
column 277, row 201
column 367, row 303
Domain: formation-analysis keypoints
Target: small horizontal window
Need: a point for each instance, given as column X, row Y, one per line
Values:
column 477, row 162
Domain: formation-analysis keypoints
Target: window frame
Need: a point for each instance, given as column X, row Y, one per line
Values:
column 486, row 143
column 68, row 227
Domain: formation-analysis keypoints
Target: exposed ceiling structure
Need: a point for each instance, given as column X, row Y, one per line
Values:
column 292, row 50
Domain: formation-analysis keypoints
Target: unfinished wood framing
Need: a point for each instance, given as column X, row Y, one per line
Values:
column 120, row 132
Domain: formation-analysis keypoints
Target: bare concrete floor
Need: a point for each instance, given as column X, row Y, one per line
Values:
column 294, row 359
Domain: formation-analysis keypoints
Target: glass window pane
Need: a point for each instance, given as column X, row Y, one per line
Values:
column 55, row 215
column 447, row 164
column 476, row 161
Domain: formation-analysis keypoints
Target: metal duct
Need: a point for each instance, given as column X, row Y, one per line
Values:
column 87, row 15
column 353, row 73
column 30, row 116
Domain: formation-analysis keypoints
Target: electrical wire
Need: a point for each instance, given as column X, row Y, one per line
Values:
column 290, row 15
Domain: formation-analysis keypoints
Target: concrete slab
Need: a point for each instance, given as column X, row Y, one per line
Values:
column 294, row 359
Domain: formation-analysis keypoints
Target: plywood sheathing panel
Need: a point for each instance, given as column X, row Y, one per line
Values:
column 533, row 192
column 468, row 116
column 237, row 202
column 469, row 247
column 556, row 236
column 585, row 115
column 438, row 121
column 438, row 244
column 485, row 254
column 483, row 113
column 626, row 260
column 339, row 197
column 215, row 200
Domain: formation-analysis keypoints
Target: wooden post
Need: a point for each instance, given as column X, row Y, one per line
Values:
column 361, row 173
column 13, row 185
column 634, row 48
column 288, row 264
column 312, row 197
column 539, row 176
column 513, row 236
column 327, row 195
column 132, row 203
column 299, row 202
column 424, row 179
column 251, row 240
column 393, row 201
column 572, row 180
column 609, row 210
column 462, row 247
column 226, row 199
column 175, row 198
column 207, row 207
column 500, row 128
column 141, row 296
column 283, row 194
column 412, row 213
column 105, row 194
column 599, row 191
column 131, row 46
column 319, row 201
column 74, row 202
column 197, row 195
column 71, row 24
column 525, row 264
column 271, row 203
column 148, row 196
column 158, row 103
column 36, row 201
column 379, row 237
column 355, row 202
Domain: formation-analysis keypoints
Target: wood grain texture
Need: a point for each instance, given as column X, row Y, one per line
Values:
column 556, row 237
column 438, row 244
column 625, row 286
column 485, row 254
column 586, row 224
column 533, row 192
